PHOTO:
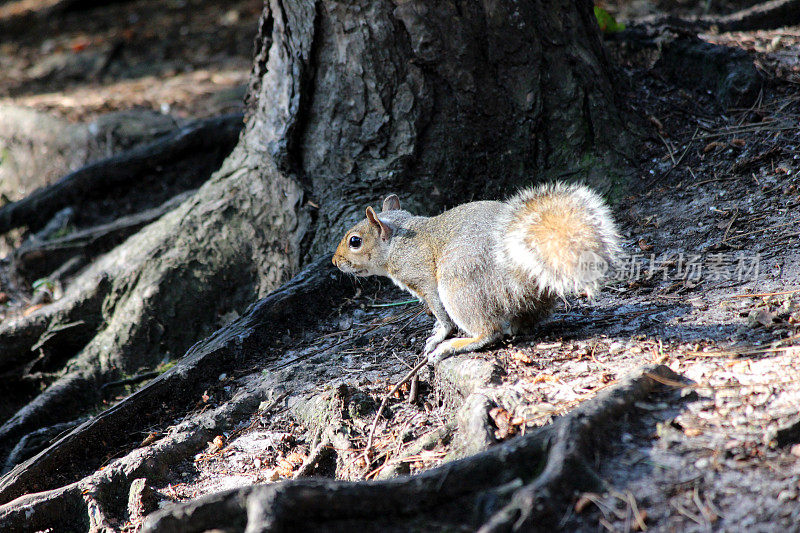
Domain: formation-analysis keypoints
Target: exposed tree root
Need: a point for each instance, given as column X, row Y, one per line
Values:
column 102, row 493
column 520, row 485
column 36, row 441
column 37, row 346
column 82, row 451
column 71, row 319
column 103, row 177
column 396, row 465
column 39, row 511
column 155, row 294
column 37, row 258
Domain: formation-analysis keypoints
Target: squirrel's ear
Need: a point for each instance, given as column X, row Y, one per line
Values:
column 391, row 202
column 383, row 228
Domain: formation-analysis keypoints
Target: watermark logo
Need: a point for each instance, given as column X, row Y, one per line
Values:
column 688, row 267
column 592, row 267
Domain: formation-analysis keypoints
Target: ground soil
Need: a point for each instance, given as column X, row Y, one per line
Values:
column 185, row 57
column 710, row 285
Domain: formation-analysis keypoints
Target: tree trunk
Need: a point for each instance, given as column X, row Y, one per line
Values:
column 440, row 102
column 444, row 103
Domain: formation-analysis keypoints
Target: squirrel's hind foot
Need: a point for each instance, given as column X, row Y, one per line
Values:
column 462, row 345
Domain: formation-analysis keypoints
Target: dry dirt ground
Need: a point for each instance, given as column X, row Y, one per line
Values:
column 190, row 58
column 710, row 286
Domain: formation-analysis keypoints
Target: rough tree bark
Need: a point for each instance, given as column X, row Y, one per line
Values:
column 441, row 102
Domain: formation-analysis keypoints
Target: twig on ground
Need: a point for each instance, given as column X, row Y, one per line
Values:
column 678, row 162
column 762, row 295
column 413, row 391
column 411, row 374
column 686, row 513
column 762, row 230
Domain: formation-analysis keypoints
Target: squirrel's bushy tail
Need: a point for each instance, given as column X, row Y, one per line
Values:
column 563, row 236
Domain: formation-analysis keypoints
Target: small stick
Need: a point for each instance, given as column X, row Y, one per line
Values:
column 669, row 148
column 408, row 376
column 699, row 183
column 756, row 231
column 678, row 162
column 763, row 294
column 730, row 224
column 413, row 390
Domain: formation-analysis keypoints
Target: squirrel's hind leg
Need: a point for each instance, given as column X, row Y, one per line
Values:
column 463, row 345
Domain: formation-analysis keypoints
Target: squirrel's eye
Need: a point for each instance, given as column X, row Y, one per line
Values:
column 355, row 242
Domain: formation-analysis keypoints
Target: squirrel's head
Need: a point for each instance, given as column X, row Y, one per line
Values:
column 363, row 249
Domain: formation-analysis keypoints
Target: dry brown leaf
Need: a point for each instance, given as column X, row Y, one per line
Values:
column 296, row 458
column 712, row 146
column 521, row 356
column 502, row 419
column 607, row 377
column 149, row 439
column 284, row 469
column 739, row 143
column 657, row 123
column 644, row 245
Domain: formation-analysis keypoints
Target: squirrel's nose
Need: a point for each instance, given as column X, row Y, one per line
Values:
column 336, row 263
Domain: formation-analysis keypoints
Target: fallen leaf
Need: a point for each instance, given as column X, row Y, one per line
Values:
column 521, row 356
column 150, row 438
column 79, row 46
column 657, row 123
column 296, row 458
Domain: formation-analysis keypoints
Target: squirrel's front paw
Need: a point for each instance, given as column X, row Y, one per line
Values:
column 431, row 344
column 440, row 333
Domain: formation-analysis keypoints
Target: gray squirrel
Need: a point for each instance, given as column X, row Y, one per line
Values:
column 488, row 268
